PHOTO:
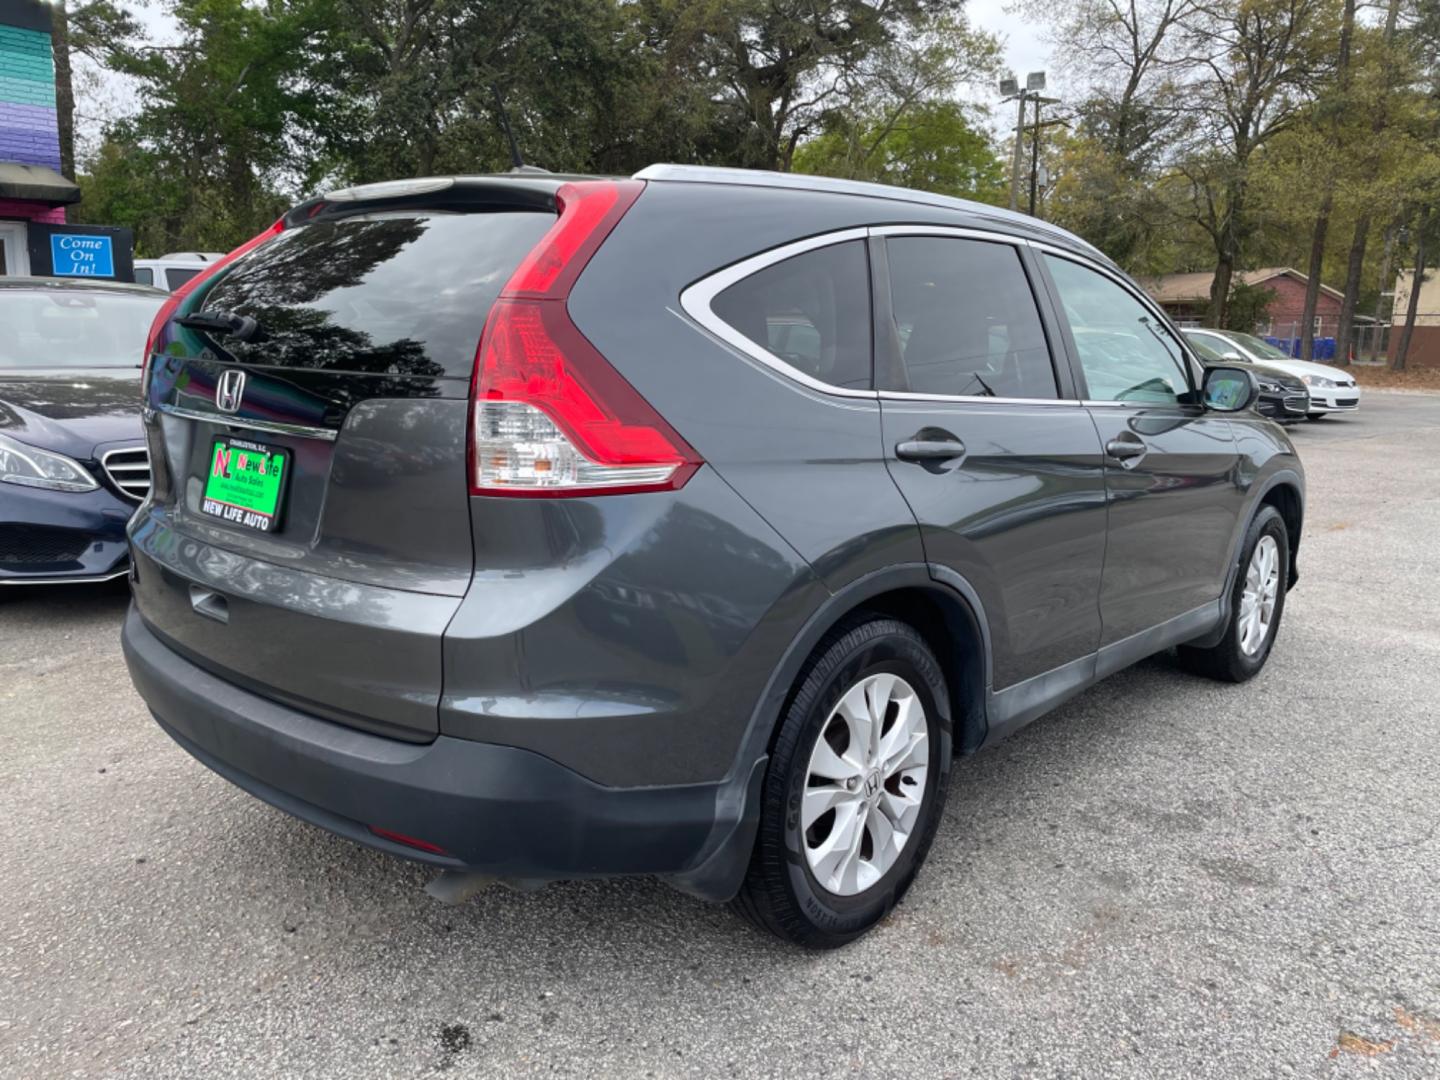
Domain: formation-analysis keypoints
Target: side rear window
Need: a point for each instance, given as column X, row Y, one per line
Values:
column 177, row 276
column 811, row 310
column 383, row 294
column 144, row 275
column 966, row 319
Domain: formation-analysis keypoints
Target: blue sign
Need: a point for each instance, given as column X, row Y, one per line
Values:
column 73, row 255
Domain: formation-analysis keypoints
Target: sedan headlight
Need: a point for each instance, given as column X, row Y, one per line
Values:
column 1268, row 387
column 1317, row 380
column 30, row 466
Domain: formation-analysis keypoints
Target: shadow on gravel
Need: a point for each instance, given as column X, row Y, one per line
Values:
column 335, row 886
column 64, row 602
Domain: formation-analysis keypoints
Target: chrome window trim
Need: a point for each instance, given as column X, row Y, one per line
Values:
column 696, row 299
column 974, row 399
column 275, row 427
column 957, row 231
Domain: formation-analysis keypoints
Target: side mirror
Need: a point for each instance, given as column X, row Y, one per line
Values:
column 1230, row 389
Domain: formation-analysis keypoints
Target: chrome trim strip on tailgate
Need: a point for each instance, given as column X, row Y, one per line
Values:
column 274, row 426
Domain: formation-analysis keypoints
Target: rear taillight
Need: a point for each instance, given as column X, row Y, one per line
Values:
column 167, row 309
column 551, row 416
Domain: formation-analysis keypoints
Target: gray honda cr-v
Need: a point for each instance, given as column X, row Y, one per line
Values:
column 548, row 527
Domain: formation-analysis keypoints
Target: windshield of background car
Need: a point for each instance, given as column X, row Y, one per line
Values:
column 1204, row 351
column 63, row 328
column 1260, row 347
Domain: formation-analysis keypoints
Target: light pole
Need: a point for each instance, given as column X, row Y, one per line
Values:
column 1010, row 91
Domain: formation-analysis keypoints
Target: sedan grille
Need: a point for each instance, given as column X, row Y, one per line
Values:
column 129, row 471
column 25, row 547
column 1347, row 402
column 1298, row 403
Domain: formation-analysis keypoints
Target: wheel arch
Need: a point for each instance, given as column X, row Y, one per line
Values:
column 946, row 613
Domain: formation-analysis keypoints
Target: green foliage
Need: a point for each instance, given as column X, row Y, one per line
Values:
column 1246, row 308
column 933, row 147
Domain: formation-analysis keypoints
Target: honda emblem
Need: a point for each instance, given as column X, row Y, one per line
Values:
column 229, row 390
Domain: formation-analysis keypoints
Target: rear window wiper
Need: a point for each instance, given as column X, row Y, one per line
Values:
column 224, row 322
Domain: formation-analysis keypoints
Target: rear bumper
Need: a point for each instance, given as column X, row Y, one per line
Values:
column 496, row 809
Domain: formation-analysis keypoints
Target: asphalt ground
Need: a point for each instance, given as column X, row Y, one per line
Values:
column 1167, row 877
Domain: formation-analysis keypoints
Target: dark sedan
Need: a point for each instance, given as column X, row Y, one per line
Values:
column 73, row 464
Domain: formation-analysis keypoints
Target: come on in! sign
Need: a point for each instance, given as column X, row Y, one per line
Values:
column 72, row 255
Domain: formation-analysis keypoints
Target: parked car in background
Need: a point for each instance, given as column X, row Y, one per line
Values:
column 1331, row 390
column 1283, row 397
column 493, row 528
column 73, row 463
column 171, row 271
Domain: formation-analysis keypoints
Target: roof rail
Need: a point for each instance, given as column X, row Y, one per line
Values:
column 709, row 174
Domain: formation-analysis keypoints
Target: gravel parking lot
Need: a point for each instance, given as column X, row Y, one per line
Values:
column 1167, row 877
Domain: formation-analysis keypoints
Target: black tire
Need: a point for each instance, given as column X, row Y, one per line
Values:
column 780, row 892
column 1227, row 660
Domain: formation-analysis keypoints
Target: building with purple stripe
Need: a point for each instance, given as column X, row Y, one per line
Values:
column 32, row 191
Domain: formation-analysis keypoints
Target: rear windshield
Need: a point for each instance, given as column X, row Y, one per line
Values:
column 398, row 294
column 74, row 329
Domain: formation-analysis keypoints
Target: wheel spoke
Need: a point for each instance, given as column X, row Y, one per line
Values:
column 878, row 694
column 818, row 800
column 828, row 765
column 828, row 858
column 854, row 708
column 885, row 842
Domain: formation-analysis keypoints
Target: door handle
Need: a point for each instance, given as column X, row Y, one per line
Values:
column 929, row 449
column 209, row 603
column 1127, row 451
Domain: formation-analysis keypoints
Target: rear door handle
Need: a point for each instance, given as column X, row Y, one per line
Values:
column 930, row 449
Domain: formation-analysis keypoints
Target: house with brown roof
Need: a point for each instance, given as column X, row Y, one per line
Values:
column 1186, row 298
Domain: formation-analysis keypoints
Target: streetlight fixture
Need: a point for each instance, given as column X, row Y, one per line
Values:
column 1010, row 91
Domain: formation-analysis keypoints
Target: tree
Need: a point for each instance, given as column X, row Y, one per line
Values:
column 932, row 147
column 1259, row 61
column 1124, row 54
column 95, row 29
column 223, row 130
column 775, row 69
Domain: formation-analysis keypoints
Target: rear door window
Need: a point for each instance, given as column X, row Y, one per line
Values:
column 383, row 294
column 966, row 319
column 811, row 310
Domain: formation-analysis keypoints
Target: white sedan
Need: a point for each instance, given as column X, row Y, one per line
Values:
column 1331, row 389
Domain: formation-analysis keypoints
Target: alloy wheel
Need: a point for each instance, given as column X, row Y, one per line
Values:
column 1257, row 602
column 865, row 784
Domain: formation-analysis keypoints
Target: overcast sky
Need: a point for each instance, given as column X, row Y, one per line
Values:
column 102, row 96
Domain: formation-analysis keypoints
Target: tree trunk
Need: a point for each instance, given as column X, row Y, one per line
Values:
column 1327, row 204
column 1385, row 263
column 1312, row 287
column 1220, row 291
column 1412, row 309
column 1353, row 271
column 64, row 91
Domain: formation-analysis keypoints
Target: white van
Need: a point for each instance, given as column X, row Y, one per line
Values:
column 169, row 272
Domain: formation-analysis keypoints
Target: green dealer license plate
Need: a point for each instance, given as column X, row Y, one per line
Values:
column 246, row 483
